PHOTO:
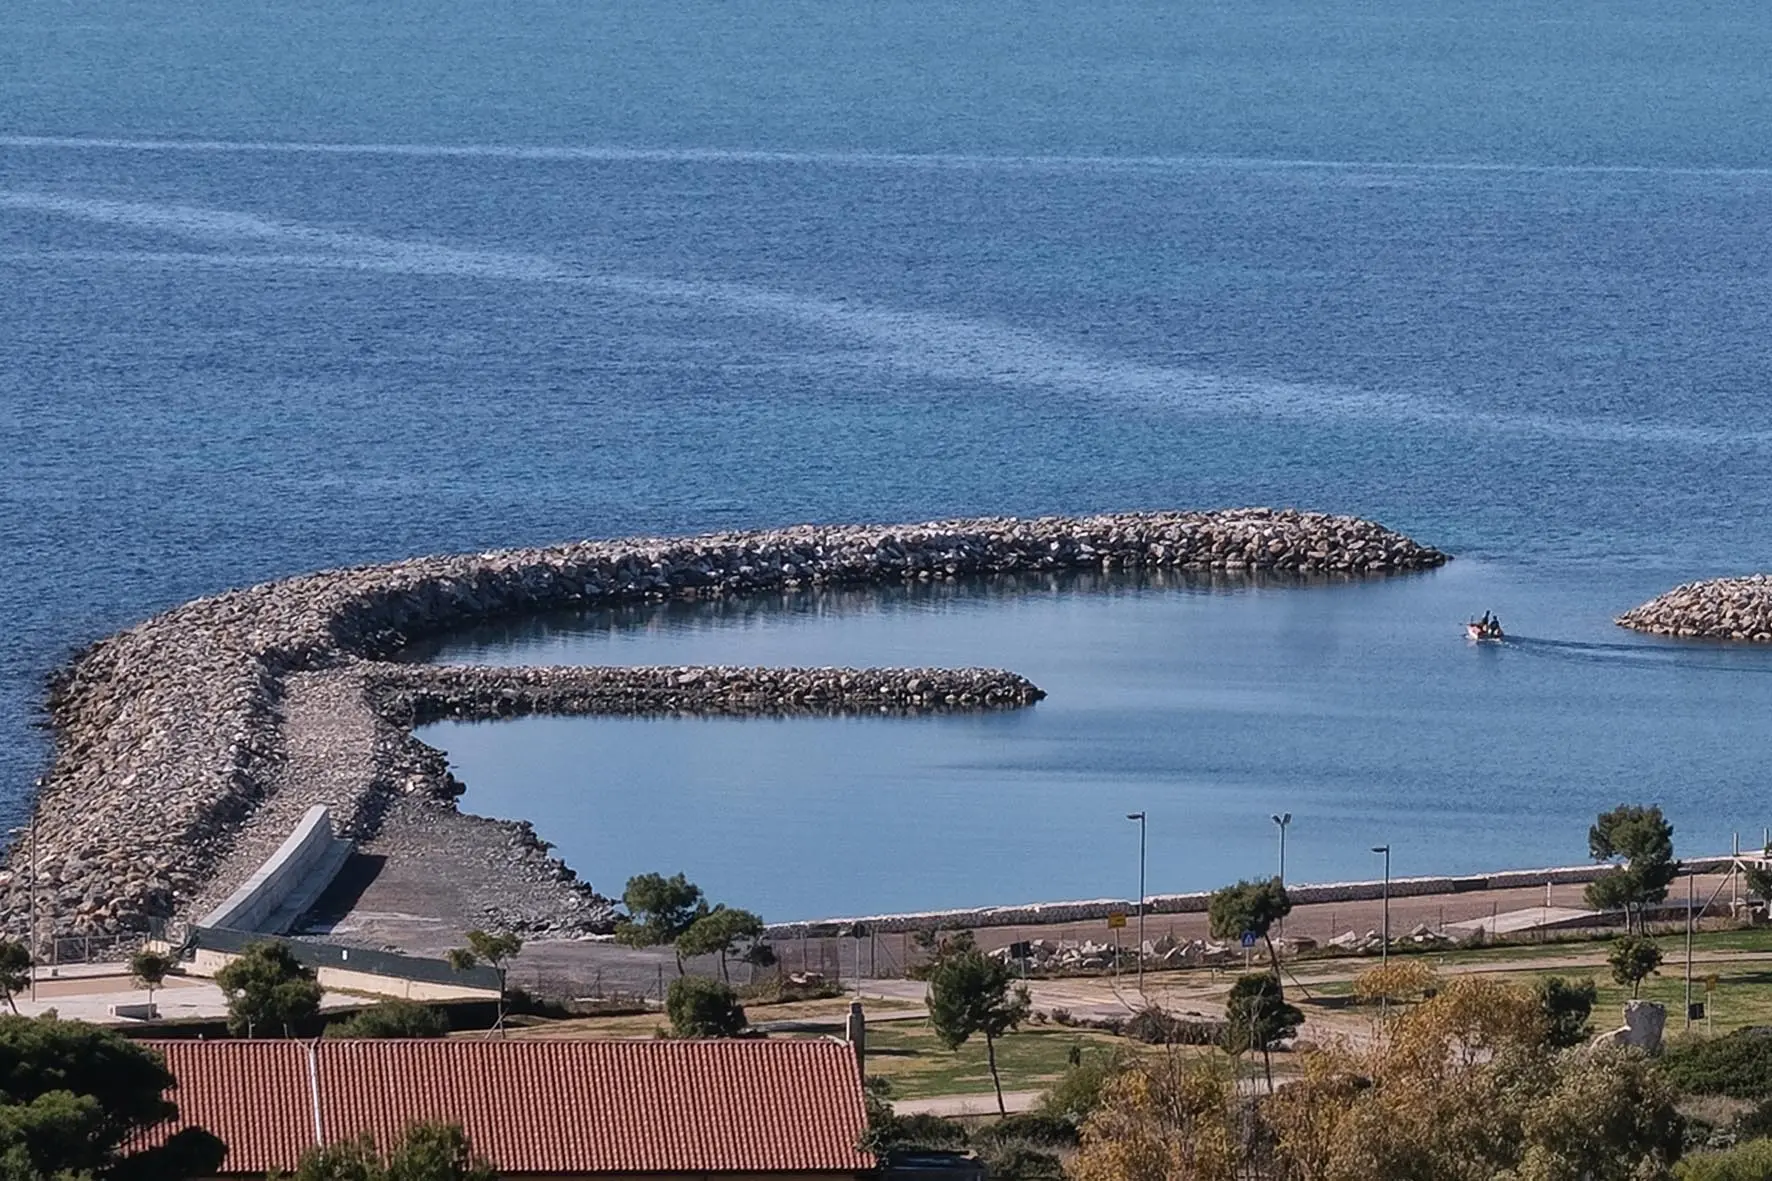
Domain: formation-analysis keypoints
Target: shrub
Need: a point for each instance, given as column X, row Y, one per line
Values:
column 1745, row 1162
column 699, row 1007
column 888, row 1132
column 1755, row 1122
column 1077, row 1093
column 1567, row 1005
column 1155, row 1027
column 1039, row 1129
column 1738, row 1065
column 1399, row 981
column 1019, row 1162
column 392, row 1019
column 929, row 1131
column 780, row 989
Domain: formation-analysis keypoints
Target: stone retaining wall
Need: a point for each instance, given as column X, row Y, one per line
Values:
column 169, row 735
column 262, row 894
column 1721, row 609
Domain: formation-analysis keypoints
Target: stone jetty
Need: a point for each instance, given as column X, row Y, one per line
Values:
column 186, row 745
column 1718, row 609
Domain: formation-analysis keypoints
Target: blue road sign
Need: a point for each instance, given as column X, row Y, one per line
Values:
column 1249, row 938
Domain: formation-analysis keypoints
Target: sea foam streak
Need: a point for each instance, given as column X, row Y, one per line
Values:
column 934, row 345
column 857, row 159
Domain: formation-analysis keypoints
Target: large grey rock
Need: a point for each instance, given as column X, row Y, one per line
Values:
column 1642, row 1028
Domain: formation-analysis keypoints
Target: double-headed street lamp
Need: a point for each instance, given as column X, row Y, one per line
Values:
column 1282, row 819
column 1139, row 816
column 1384, row 954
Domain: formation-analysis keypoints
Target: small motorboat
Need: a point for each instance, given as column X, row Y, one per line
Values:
column 1484, row 630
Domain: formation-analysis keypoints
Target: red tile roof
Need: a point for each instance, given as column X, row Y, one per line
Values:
column 534, row 1106
column 232, row 1087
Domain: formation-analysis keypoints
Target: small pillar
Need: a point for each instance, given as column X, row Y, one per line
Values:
column 857, row 1032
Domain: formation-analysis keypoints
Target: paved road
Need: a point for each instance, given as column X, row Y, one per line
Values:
column 958, row 1105
column 88, row 995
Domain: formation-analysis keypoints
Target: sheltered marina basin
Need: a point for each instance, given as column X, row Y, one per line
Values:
column 188, row 747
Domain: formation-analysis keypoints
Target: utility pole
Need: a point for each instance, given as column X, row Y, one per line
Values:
column 1139, row 816
column 34, row 805
column 1690, row 878
column 1385, row 952
column 1734, row 868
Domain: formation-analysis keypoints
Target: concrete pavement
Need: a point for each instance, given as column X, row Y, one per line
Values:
column 953, row 1106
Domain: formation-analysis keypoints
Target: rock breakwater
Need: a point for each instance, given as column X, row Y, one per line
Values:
column 1737, row 609
column 182, row 744
column 420, row 694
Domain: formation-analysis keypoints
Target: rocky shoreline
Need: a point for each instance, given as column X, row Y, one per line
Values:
column 1738, row 609
column 183, row 743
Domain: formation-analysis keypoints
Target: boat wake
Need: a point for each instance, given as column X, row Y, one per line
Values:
column 1660, row 654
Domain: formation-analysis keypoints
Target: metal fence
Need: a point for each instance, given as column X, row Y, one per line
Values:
column 87, row 949
column 356, row 959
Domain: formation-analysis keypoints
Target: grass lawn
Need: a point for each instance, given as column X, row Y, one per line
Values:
column 1740, row 941
column 907, row 1054
column 644, row 1025
column 1743, row 995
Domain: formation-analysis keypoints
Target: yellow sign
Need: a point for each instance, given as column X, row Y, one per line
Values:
column 1116, row 919
column 1710, row 983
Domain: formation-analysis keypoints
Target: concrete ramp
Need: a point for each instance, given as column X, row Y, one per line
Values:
column 1533, row 918
column 290, row 881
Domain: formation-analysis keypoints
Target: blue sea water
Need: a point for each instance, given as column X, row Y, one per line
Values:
column 322, row 284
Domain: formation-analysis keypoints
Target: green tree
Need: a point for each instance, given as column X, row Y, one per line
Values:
column 15, row 971
column 427, row 1152
column 1249, row 906
column 727, row 931
column 149, row 969
column 495, row 950
column 660, row 911
column 699, row 1007
column 1643, row 841
column 73, row 1095
column 1257, row 1017
column 268, row 989
column 971, row 993
column 395, row 1018
column 1759, row 880
column 1633, row 958
column 1566, row 1005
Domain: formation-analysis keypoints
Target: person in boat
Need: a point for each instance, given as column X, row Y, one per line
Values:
column 1483, row 623
column 1495, row 626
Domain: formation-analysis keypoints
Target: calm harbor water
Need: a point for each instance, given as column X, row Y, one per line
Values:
column 314, row 285
column 1359, row 708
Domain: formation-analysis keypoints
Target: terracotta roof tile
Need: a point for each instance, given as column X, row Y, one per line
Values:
column 539, row 1106
column 259, row 1091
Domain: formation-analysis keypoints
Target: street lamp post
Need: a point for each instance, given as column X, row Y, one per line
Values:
column 1384, row 953
column 1139, row 816
column 1282, row 819
column 30, row 833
